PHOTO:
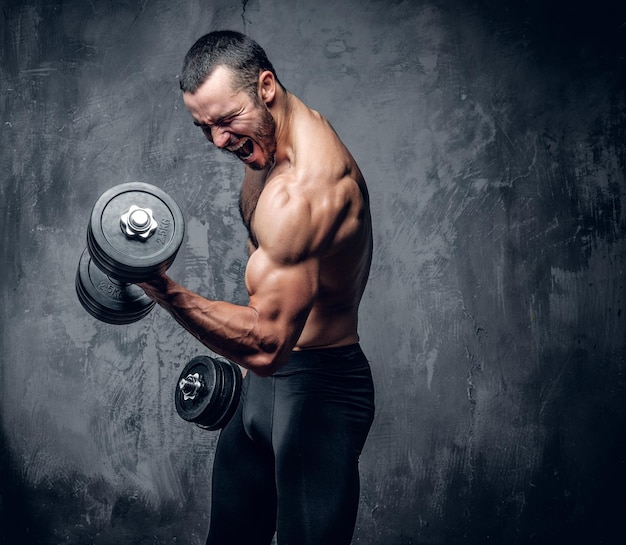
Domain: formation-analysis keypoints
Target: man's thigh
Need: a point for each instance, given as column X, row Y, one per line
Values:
column 317, row 445
column 243, row 504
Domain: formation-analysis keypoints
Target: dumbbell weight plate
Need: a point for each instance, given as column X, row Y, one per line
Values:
column 109, row 300
column 134, row 259
column 215, row 399
column 230, row 394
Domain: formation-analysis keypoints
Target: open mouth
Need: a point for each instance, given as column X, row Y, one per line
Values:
column 243, row 149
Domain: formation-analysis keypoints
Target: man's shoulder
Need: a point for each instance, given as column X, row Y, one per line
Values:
column 294, row 224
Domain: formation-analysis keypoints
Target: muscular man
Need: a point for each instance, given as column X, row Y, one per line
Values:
column 287, row 463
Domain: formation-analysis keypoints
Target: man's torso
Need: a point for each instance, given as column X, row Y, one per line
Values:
column 323, row 172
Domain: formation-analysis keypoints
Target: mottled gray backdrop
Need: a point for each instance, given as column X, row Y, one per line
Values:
column 491, row 133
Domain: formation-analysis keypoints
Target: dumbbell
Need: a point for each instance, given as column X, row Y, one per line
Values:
column 207, row 392
column 134, row 233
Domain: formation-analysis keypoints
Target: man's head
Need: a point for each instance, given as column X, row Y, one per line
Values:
column 233, row 50
column 228, row 86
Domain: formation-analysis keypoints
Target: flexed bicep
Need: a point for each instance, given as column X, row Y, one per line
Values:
column 282, row 294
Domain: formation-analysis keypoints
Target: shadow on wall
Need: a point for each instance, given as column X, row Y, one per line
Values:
column 19, row 522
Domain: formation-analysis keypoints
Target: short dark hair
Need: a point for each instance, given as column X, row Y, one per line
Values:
column 234, row 50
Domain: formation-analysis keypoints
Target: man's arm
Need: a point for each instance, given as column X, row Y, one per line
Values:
column 282, row 282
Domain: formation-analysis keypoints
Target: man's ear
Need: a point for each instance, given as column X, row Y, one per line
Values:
column 267, row 87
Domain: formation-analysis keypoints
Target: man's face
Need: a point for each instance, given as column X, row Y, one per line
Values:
column 233, row 120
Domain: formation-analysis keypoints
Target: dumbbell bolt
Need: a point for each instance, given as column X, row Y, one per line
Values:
column 190, row 386
column 138, row 223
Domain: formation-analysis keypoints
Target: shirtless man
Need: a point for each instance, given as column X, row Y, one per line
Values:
column 287, row 463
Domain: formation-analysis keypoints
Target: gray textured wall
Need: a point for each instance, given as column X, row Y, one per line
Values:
column 492, row 137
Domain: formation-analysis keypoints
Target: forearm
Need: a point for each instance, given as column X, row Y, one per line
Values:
column 230, row 330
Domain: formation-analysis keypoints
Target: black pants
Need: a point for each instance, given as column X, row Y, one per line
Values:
column 287, row 463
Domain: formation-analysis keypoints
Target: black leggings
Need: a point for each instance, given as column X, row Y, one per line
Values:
column 287, row 463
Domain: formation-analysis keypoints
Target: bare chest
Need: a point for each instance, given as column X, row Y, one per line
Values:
column 251, row 190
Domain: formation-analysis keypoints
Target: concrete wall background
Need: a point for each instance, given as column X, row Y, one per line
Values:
column 492, row 138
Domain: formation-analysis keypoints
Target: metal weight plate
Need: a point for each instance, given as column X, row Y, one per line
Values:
column 208, row 392
column 123, row 250
column 106, row 299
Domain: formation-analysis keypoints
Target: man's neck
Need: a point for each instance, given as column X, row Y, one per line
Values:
column 283, row 111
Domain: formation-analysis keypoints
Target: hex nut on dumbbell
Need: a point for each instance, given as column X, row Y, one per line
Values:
column 138, row 223
column 190, row 386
